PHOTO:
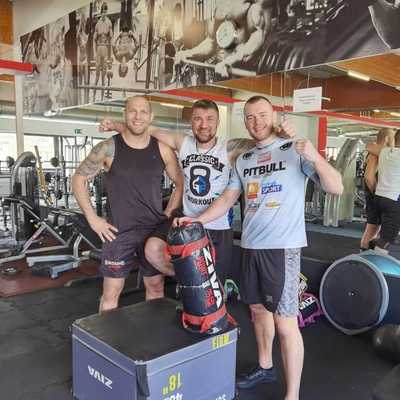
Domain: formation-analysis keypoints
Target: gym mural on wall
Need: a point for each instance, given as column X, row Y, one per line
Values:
column 112, row 47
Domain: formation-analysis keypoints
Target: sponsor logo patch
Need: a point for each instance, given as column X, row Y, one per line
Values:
column 246, row 156
column 286, row 146
column 252, row 190
column 253, row 206
column 267, row 169
column 271, row 187
column 264, row 157
column 272, row 204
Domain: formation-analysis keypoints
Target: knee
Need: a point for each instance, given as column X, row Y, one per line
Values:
column 257, row 311
column 154, row 250
column 154, row 288
column 286, row 326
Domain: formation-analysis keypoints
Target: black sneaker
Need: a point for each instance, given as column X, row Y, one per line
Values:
column 255, row 376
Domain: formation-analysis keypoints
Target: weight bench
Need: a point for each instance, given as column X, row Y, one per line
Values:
column 53, row 265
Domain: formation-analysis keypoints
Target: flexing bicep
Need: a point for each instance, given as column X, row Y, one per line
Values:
column 95, row 161
column 235, row 147
column 172, row 139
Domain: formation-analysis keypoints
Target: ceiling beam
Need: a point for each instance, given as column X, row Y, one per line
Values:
column 383, row 68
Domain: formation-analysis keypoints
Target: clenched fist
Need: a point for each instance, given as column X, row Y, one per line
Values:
column 305, row 148
column 107, row 125
column 286, row 130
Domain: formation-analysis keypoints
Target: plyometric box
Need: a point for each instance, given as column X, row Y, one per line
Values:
column 140, row 352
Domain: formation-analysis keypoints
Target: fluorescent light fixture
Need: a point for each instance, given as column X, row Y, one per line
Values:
column 358, row 75
column 171, row 105
column 395, row 114
column 48, row 120
column 376, row 111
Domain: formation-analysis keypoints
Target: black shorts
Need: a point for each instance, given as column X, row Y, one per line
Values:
column 372, row 208
column 223, row 242
column 390, row 221
column 271, row 278
column 117, row 257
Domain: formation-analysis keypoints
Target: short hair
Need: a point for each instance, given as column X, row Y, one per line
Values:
column 397, row 138
column 138, row 96
column 383, row 134
column 205, row 104
column 255, row 99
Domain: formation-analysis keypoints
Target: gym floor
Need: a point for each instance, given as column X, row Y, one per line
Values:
column 35, row 346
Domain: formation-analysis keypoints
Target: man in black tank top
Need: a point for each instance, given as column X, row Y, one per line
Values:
column 385, row 137
column 134, row 163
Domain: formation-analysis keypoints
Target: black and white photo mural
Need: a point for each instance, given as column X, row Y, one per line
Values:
column 50, row 50
column 111, row 48
column 111, row 43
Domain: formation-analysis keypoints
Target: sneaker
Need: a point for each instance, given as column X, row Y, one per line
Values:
column 255, row 376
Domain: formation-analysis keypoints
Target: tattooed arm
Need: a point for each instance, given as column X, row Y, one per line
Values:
column 236, row 147
column 101, row 156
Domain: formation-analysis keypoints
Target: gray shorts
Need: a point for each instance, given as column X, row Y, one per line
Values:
column 271, row 277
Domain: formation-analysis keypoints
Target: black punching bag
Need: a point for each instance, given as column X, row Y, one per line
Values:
column 202, row 294
column 386, row 341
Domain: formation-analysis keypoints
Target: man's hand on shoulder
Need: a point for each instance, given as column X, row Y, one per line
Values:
column 286, row 130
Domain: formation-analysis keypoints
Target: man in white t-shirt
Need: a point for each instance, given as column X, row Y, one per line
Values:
column 387, row 191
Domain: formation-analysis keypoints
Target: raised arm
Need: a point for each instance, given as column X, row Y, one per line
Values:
column 175, row 174
column 235, row 147
column 101, row 155
column 170, row 138
column 330, row 178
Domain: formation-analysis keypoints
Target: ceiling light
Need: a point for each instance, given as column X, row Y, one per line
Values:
column 376, row 111
column 397, row 87
column 395, row 114
column 172, row 105
column 358, row 75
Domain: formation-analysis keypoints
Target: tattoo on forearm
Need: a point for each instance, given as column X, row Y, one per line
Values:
column 93, row 163
column 239, row 146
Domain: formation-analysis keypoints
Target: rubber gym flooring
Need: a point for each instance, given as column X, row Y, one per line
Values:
column 35, row 343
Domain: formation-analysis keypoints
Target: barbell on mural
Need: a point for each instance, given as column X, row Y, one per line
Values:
column 232, row 70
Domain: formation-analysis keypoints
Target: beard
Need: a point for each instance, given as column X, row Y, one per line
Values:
column 205, row 138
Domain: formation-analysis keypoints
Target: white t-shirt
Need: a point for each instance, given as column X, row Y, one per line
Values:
column 389, row 173
column 273, row 181
column 206, row 175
